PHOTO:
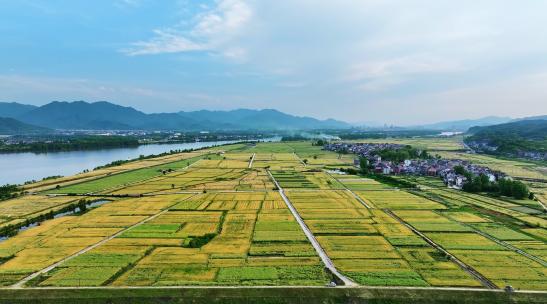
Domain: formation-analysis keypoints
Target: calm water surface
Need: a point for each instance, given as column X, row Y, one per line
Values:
column 16, row 168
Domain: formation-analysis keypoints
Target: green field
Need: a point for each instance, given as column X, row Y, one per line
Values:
column 222, row 222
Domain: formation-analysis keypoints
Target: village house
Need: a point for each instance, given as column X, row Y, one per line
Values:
column 442, row 168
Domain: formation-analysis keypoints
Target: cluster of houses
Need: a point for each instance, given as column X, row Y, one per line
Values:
column 443, row 168
column 533, row 155
column 362, row 149
column 487, row 147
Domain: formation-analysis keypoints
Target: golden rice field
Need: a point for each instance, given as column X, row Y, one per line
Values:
column 211, row 217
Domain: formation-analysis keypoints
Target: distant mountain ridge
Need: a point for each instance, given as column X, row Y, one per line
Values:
column 534, row 128
column 526, row 138
column 105, row 115
column 10, row 126
column 464, row 124
column 14, row 109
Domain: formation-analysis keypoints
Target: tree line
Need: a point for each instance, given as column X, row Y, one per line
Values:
column 72, row 143
column 503, row 186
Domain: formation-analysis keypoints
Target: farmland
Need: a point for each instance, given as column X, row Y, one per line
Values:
column 217, row 217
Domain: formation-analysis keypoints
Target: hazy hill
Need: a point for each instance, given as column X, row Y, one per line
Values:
column 105, row 115
column 10, row 126
column 465, row 124
column 14, row 109
column 262, row 119
column 533, row 129
column 541, row 117
column 524, row 138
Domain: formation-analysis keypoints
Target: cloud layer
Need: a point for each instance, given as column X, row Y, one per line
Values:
column 401, row 62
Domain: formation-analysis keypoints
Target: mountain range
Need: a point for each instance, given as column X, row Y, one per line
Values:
column 526, row 138
column 104, row 115
column 533, row 128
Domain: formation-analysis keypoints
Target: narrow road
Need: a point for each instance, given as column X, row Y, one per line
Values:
column 299, row 159
column 541, row 204
column 252, row 160
column 322, row 254
column 484, row 281
column 357, row 197
column 21, row 283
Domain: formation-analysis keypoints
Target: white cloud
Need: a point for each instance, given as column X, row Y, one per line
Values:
column 164, row 42
column 380, row 75
column 212, row 30
column 519, row 96
column 407, row 65
column 352, row 59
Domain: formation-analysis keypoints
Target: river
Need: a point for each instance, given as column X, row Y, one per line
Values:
column 17, row 168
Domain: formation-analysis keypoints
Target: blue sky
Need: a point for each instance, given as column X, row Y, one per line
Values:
column 399, row 62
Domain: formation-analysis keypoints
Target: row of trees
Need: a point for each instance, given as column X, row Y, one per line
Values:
column 502, row 186
column 399, row 155
column 8, row 191
column 79, row 207
column 73, row 143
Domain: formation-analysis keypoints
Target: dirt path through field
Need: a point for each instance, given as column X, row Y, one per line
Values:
column 252, row 160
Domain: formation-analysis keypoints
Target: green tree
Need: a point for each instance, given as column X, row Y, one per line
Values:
column 505, row 187
column 82, row 205
column 519, row 190
column 473, row 185
column 363, row 165
column 459, row 170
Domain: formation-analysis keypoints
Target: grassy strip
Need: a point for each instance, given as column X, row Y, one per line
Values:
column 264, row 295
column 125, row 178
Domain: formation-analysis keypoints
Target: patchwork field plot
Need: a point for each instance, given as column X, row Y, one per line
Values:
column 398, row 200
column 210, row 217
column 125, row 178
column 23, row 209
column 371, row 247
column 357, row 183
column 221, row 239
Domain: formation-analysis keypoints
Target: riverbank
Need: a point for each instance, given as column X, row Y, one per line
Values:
column 18, row 168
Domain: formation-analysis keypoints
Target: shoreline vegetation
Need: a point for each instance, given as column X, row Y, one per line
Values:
column 9, row 191
column 78, row 143
column 87, row 142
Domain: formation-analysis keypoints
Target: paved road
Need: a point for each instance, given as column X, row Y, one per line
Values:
column 252, row 160
column 484, row 281
column 322, row 254
column 21, row 283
